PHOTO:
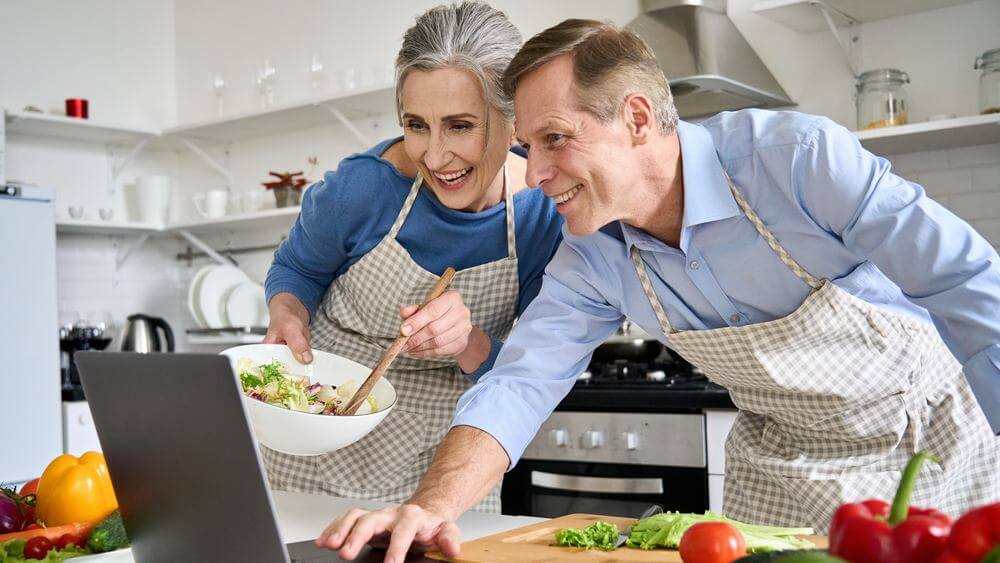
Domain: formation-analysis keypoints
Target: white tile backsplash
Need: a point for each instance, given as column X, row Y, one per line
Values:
column 965, row 180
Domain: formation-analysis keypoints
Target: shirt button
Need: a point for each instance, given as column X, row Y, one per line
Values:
column 734, row 318
column 695, row 264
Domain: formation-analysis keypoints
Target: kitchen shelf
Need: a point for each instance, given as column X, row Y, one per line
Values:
column 933, row 135
column 226, row 339
column 259, row 220
column 290, row 117
column 805, row 15
column 77, row 226
column 28, row 123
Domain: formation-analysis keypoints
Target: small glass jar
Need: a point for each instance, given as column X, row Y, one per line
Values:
column 989, row 81
column 881, row 98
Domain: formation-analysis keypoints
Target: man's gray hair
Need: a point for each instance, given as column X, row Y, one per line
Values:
column 472, row 36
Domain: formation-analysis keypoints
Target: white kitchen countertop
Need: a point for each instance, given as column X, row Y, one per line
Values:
column 302, row 516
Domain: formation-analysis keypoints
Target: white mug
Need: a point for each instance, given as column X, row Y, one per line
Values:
column 214, row 201
column 252, row 201
column 153, row 192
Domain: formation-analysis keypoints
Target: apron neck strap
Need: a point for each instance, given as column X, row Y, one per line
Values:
column 647, row 288
column 758, row 224
column 508, row 197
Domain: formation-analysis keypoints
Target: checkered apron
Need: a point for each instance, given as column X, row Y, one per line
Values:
column 834, row 399
column 359, row 319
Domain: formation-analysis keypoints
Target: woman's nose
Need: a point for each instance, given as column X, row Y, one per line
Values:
column 437, row 155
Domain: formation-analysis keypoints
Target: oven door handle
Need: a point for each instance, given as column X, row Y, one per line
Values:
column 615, row 485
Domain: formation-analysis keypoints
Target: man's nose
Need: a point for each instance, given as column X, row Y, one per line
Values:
column 539, row 170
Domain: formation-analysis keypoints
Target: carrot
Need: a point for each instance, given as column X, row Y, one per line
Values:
column 54, row 533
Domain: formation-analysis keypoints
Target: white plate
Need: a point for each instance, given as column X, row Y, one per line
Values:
column 214, row 289
column 246, row 306
column 194, row 288
column 123, row 555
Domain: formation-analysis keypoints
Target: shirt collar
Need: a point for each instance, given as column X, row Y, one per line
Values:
column 706, row 192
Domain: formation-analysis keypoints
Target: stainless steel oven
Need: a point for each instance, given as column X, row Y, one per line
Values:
column 613, row 463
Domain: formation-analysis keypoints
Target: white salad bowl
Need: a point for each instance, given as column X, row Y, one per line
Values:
column 302, row 433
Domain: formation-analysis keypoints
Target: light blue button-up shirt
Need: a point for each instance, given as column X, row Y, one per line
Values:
column 838, row 210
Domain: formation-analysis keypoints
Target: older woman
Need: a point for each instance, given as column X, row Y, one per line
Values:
column 374, row 236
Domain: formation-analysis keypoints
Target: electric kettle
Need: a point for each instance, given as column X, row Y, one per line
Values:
column 140, row 335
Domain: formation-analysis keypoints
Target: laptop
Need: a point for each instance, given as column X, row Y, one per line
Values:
column 185, row 466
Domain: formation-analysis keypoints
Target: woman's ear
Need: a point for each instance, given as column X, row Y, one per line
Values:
column 512, row 142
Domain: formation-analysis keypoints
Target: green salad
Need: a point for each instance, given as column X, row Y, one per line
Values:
column 272, row 384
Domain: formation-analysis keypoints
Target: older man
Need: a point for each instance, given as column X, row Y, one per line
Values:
column 836, row 302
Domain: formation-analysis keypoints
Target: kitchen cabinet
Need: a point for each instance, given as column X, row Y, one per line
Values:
column 806, row 15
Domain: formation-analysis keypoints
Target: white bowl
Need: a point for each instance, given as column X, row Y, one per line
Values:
column 302, row 433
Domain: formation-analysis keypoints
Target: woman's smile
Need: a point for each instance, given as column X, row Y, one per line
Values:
column 454, row 180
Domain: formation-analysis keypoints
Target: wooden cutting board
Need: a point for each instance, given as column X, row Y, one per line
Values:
column 534, row 544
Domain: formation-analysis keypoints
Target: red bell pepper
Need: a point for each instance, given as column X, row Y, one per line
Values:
column 873, row 532
column 975, row 537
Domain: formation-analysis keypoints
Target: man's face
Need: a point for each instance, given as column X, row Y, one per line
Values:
column 584, row 165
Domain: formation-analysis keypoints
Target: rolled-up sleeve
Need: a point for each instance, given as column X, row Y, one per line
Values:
column 306, row 262
column 549, row 347
column 939, row 262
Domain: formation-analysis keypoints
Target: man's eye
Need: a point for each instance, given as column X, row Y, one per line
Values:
column 553, row 138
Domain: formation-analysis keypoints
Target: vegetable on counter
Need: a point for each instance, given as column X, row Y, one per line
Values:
column 872, row 531
column 712, row 542
column 36, row 551
column 109, row 535
column 599, row 535
column 667, row 529
column 75, row 489
column 52, row 533
column 975, row 537
column 801, row 556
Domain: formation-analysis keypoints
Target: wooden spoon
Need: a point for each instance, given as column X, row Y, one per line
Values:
column 390, row 354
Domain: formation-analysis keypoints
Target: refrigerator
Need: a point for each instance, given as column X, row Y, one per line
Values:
column 30, row 400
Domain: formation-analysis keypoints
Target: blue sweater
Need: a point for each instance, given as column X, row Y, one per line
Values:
column 349, row 212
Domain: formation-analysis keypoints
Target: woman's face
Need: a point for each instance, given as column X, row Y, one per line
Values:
column 444, row 134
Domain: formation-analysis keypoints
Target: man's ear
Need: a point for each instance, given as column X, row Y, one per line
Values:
column 639, row 117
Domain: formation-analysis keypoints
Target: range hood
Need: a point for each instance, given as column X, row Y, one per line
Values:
column 709, row 65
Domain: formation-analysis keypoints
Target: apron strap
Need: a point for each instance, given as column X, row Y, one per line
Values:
column 414, row 190
column 647, row 288
column 783, row 254
column 509, row 197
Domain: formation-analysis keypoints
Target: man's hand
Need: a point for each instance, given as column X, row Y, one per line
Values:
column 408, row 525
column 289, row 325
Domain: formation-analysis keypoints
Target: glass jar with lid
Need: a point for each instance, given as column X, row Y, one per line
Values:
column 989, row 81
column 881, row 98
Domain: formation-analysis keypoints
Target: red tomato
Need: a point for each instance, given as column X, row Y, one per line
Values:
column 37, row 547
column 32, row 526
column 67, row 540
column 712, row 542
column 29, row 488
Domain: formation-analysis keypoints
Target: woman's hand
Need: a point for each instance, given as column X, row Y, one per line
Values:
column 444, row 328
column 290, row 325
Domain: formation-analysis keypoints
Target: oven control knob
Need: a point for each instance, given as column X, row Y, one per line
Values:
column 558, row 438
column 593, row 439
column 631, row 441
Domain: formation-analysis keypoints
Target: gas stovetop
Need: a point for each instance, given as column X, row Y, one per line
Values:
column 659, row 385
column 669, row 374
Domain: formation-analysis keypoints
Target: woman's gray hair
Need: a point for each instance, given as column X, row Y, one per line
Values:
column 472, row 36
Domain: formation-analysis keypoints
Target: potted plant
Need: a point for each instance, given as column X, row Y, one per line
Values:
column 287, row 188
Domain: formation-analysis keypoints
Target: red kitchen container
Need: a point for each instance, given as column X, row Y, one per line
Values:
column 76, row 107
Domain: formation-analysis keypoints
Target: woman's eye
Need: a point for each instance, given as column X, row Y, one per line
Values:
column 415, row 126
column 459, row 126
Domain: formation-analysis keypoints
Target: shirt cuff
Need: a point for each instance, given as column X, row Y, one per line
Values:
column 308, row 301
column 487, row 364
column 983, row 374
column 513, row 430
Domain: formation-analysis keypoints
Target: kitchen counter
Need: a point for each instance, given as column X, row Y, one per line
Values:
column 303, row 516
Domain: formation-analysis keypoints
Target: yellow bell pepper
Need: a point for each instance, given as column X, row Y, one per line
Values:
column 75, row 490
